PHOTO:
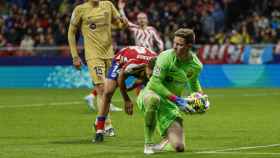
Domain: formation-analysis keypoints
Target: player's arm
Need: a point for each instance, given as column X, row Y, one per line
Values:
column 156, row 84
column 193, row 83
column 72, row 30
column 120, row 22
column 158, row 40
column 201, row 102
column 158, row 77
column 121, row 83
column 121, row 5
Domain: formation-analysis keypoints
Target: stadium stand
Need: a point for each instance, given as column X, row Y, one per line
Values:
column 29, row 25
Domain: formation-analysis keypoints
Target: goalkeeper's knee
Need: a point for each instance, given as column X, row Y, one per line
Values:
column 151, row 102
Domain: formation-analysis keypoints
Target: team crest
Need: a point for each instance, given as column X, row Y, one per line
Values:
column 156, row 71
column 106, row 15
column 190, row 73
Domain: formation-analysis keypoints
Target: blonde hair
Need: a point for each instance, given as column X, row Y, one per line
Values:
column 186, row 33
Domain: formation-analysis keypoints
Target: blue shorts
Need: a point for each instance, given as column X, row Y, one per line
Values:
column 114, row 71
column 113, row 74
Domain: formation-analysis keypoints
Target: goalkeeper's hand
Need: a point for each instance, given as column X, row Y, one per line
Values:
column 183, row 104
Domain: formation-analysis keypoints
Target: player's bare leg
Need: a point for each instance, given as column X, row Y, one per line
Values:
column 109, row 89
column 100, row 120
column 176, row 138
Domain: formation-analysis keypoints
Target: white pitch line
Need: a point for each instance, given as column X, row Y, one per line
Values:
column 239, row 148
column 46, row 104
column 245, row 94
column 241, row 153
column 40, row 104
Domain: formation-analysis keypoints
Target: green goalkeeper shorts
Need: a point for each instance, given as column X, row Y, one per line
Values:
column 167, row 112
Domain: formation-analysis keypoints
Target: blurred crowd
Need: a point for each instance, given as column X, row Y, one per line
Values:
column 30, row 24
column 214, row 21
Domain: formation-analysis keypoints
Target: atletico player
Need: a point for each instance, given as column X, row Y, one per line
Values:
column 143, row 34
column 130, row 61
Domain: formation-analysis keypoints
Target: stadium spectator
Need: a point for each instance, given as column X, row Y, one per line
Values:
column 27, row 45
column 246, row 38
column 235, row 37
column 2, row 41
column 277, row 52
column 259, row 17
column 208, row 24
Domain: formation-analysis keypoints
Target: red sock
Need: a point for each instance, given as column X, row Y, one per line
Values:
column 94, row 93
column 100, row 122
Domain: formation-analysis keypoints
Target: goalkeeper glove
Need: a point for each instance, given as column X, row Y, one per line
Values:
column 182, row 103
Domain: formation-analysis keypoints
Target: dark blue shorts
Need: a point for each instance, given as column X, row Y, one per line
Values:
column 114, row 71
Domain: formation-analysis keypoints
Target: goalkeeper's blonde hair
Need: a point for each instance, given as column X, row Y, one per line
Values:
column 187, row 34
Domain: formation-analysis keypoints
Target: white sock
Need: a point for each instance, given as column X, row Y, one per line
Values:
column 90, row 96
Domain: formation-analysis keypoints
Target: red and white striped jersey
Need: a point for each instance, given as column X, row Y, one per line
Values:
column 147, row 37
column 132, row 57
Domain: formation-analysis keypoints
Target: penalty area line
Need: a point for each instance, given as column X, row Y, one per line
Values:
column 231, row 150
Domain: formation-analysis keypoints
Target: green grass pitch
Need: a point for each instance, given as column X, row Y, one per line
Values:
column 56, row 123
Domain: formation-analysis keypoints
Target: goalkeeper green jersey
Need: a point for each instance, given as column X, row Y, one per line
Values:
column 171, row 75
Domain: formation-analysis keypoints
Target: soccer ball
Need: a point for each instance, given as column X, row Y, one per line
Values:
column 200, row 102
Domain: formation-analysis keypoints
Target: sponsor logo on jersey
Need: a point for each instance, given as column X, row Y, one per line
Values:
column 143, row 57
column 190, row 73
column 156, row 71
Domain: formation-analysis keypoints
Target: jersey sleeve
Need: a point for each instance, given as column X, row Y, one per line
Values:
column 115, row 16
column 130, row 24
column 72, row 30
column 76, row 17
column 158, row 77
column 193, row 83
column 158, row 40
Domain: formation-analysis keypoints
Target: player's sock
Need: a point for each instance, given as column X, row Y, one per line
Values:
column 149, row 127
column 94, row 93
column 108, row 122
column 150, row 118
column 109, row 129
column 100, row 124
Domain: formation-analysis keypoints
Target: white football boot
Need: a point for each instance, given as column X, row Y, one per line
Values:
column 110, row 131
column 113, row 108
column 160, row 147
column 89, row 99
column 148, row 149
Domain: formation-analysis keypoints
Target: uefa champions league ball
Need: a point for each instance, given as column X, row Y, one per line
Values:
column 201, row 103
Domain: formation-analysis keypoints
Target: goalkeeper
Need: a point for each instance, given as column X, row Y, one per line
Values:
column 161, row 100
